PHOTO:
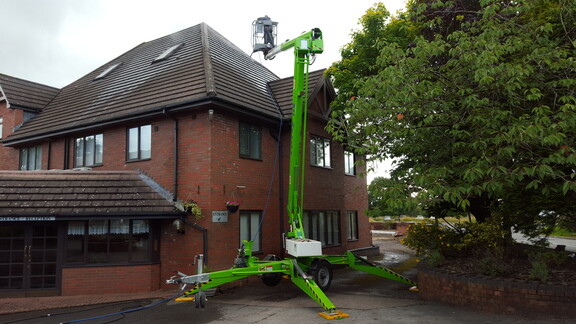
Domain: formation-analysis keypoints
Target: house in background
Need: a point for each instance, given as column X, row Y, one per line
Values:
column 97, row 169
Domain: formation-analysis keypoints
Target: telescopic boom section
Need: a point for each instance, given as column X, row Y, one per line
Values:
column 305, row 46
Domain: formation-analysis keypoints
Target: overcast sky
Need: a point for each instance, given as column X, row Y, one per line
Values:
column 56, row 42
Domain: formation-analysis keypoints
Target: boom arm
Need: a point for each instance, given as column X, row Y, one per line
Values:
column 305, row 46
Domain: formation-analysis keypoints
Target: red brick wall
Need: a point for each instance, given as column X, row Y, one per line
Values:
column 9, row 157
column 109, row 280
column 211, row 172
column 498, row 296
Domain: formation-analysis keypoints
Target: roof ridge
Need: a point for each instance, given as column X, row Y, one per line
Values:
column 208, row 69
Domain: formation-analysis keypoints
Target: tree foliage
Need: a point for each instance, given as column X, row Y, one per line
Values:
column 475, row 99
column 387, row 199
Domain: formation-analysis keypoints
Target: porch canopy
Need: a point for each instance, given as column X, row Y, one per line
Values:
column 76, row 195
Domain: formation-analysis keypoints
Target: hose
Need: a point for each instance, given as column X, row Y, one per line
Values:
column 125, row 311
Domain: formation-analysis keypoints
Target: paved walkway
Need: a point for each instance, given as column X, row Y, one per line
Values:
column 17, row 305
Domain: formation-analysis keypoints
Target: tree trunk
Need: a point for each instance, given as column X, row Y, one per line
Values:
column 480, row 208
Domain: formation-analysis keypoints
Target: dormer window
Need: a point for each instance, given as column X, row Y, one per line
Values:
column 167, row 53
column 107, row 71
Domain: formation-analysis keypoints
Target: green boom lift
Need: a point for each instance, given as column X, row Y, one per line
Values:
column 306, row 266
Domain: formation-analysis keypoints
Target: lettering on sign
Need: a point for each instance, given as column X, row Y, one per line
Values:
column 219, row 216
column 26, row 219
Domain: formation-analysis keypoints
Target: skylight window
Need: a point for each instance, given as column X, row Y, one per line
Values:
column 167, row 53
column 107, row 71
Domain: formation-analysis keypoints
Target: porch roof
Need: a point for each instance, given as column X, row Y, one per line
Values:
column 81, row 193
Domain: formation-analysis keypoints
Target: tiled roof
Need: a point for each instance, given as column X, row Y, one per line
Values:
column 206, row 67
column 26, row 94
column 73, row 193
column 282, row 90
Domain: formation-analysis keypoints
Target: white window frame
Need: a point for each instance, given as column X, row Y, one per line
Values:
column 320, row 152
column 29, row 161
column 139, row 141
column 349, row 163
column 81, row 154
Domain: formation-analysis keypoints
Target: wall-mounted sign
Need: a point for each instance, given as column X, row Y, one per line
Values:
column 219, row 216
column 27, row 219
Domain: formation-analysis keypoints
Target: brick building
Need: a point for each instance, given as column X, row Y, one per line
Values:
column 97, row 169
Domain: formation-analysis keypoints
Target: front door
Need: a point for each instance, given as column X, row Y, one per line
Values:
column 28, row 259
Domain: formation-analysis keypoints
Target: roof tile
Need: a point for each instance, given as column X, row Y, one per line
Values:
column 41, row 192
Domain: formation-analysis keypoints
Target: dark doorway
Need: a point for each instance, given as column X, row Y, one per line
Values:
column 29, row 260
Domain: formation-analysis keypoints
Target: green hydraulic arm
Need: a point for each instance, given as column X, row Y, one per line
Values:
column 305, row 46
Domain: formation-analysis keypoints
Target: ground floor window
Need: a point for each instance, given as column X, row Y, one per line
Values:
column 249, row 228
column 323, row 226
column 352, row 222
column 111, row 241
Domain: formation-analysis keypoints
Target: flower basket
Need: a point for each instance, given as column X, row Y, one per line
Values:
column 191, row 207
column 232, row 206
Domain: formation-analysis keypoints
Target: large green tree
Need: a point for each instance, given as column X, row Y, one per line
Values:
column 476, row 100
column 387, row 199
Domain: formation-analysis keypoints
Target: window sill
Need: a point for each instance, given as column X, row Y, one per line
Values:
column 321, row 167
column 251, row 158
column 100, row 265
column 88, row 166
column 140, row 160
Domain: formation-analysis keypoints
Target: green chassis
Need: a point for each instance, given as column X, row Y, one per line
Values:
column 295, row 268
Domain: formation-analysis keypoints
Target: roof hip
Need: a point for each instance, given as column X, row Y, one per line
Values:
column 208, row 69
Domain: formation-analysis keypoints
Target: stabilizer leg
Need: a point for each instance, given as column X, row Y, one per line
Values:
column 309, row 286
column 358, row 263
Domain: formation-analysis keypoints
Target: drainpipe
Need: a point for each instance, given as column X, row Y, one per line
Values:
column 175, row 190
column 204, row 236
column 281, row 192
column 49, row 155
column 175, row 197
column 66, row 153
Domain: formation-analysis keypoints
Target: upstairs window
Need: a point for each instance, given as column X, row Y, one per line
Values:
column 89, row 150
column 319, row 151
column 349, row 168
column 1, row 121
column 250, row 141
column 139, row 143
column 31, row 158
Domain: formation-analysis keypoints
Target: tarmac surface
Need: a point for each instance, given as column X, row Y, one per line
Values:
column 366, row 298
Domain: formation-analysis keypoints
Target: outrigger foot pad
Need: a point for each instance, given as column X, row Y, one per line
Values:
column 414, row 288
column 334, row 315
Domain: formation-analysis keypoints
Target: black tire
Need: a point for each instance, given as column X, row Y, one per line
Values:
column 200, row 299
column 321, row 271
column 271, row 279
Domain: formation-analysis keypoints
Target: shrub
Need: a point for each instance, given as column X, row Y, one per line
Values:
column 491, row 264
column 457, row 239
column 539, row 271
